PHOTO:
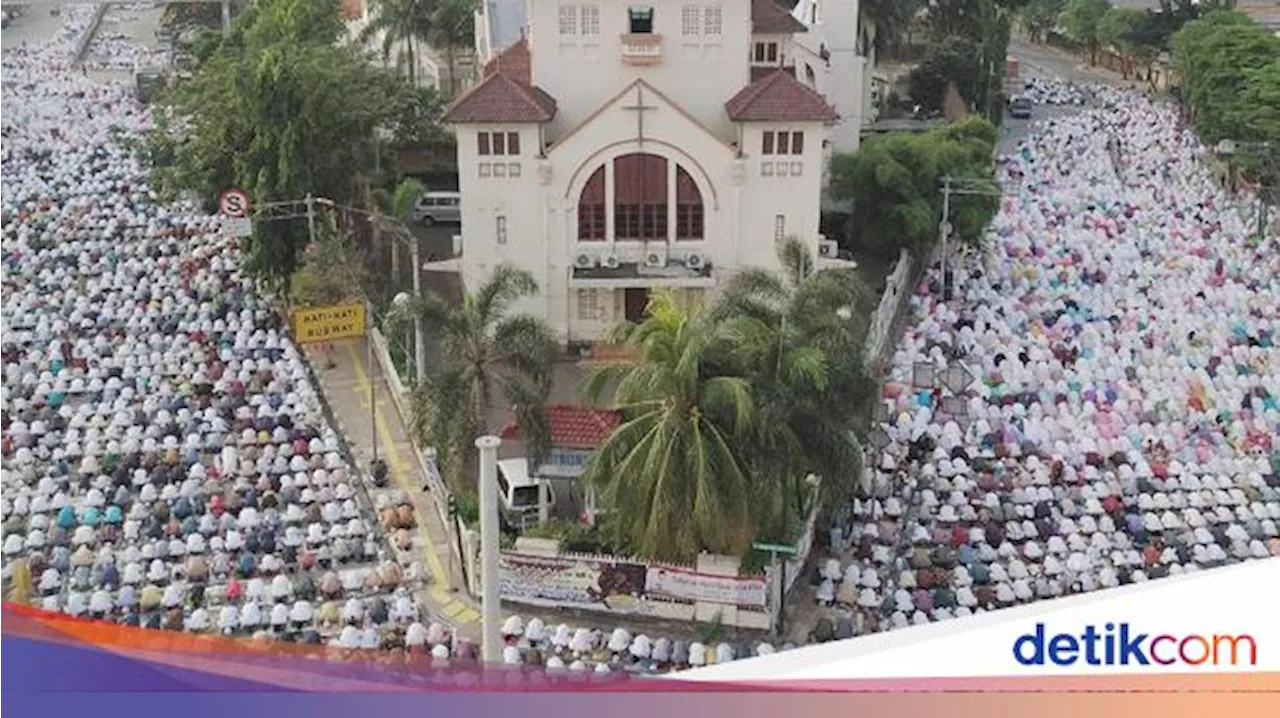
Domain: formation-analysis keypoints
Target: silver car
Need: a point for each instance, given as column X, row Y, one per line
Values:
column 439, row 208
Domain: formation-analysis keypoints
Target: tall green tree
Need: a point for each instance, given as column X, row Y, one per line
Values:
column 887, row 21
column 1041, row 16
column 484, row 351
column 672, row 472
column 279, row 109
column 410, row 23
column 894, row 181
column 1080, row 20
column 453, row 30
column 1115, row 30
column 799, row 334
column 1222, row 62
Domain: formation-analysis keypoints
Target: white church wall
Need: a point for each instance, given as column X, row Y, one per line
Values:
column 772, row 189
column 582, row 70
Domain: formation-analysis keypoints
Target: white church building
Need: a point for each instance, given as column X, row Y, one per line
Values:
column 619, row 146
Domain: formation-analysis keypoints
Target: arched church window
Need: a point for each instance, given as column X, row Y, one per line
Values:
column 689, row 211
column 591, row 214
column 640, row 197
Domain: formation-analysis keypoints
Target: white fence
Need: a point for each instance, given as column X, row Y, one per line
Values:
column 896, row 289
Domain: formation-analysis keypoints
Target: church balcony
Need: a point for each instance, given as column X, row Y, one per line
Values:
column 641, row 48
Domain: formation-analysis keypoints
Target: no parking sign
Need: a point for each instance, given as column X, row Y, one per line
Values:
column 233, row 205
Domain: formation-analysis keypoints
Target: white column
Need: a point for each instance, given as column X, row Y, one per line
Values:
column 544, row 501
column 671, row 200
column 490, row 606
column 609, row 234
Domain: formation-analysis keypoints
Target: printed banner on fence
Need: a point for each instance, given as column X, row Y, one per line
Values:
column 690, row 586
column 324, row 324
column 572, row 583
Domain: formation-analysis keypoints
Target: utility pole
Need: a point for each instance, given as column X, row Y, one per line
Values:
column 960, row 186
column 311, row 218
column 490, row 606
column 944, row 229
column 226, row 18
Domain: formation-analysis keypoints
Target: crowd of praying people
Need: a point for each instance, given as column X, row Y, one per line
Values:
column 1123, row 422
column 1053, row 91
column 167, row 464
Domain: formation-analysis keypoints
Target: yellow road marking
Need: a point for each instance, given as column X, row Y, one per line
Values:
column 397, row 470
column 452, row 609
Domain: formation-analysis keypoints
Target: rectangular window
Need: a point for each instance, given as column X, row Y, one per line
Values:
column 513, row 143
column 771, row 54
column 502, row 229
column 498, row 140
column 641, row 20
column 568, row 19
column 588, row 304
column 482, row 143
column 797, row 143
column 759, row 52
column 766, row 143
column 779, row 227
column 781, row 146
column 590, row 20
column 714, row 20
column 689, row 221
column 591, row 218
column 690, row 20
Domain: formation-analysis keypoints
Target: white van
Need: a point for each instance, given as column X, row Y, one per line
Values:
column 518, row 494
column 439, row 208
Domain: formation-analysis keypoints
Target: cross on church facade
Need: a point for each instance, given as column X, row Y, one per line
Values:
column 639, row 108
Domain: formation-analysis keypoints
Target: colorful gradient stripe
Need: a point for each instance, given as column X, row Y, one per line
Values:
column 58, row 665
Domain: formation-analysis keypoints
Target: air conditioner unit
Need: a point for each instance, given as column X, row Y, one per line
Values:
column 610, row 261
column 584, row 261
column 655, row 255
column 828, row 248
column 693, row 260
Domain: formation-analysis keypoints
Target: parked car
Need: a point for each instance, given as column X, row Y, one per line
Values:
column 1020, row 108
column 439, row 208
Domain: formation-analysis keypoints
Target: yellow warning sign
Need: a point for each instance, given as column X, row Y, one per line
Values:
column 324, row 324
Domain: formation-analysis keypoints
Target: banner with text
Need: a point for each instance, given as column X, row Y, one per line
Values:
column 572, row 582
column 691, row 586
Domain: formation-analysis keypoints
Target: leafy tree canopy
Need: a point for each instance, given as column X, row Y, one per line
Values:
column 281, row 110
column 895, row 179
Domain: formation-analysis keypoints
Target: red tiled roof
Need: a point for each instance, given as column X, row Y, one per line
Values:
column 770, row 18
column 580, row 427
column 515, row 61
column 501, row 98
column 778, row 97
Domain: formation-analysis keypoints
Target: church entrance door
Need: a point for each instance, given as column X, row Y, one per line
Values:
column 636, row 301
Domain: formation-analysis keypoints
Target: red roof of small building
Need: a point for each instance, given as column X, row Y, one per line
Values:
column 516, row 61
column 502, row 98
column 770, row 18
column 580, row 427
column 779, row 97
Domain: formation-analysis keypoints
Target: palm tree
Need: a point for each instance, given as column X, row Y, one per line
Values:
column 453, row 29
column 483, row 350
column 671, row 474
column 401, row 21
column 799, row 338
